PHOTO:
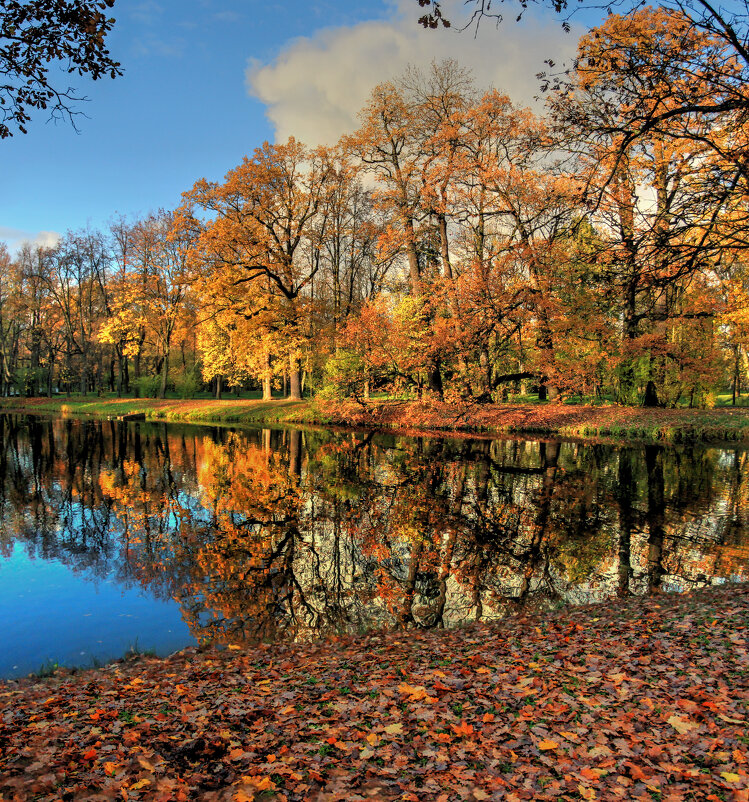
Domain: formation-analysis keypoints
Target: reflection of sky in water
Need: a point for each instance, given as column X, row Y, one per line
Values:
column 279, row 535
column 51, row 614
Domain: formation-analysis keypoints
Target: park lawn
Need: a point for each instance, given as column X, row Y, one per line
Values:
column 278, row 410
column 553, row 419
column 629, row 699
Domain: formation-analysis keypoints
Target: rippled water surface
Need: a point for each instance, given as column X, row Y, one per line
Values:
column 119, row 535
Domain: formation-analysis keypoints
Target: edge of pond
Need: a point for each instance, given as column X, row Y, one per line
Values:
column 610, row 424
column 507, row 623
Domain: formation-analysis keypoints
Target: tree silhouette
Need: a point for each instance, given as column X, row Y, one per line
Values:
column 35, row 35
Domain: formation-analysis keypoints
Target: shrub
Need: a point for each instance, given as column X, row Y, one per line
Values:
column 147, row 386
column 188, row 384
column 345, row 376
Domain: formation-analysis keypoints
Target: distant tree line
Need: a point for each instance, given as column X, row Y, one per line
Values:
column 454, row 246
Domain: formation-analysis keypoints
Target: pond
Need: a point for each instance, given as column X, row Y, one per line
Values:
column 116, row 535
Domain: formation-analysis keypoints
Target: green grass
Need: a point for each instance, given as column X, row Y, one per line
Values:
column 47, row 669
column 196, row 410
column 724, row 400
column 50, row 667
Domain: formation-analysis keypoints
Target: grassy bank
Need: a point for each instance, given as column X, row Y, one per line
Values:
column 643, row 699
column 198, row 411
column 579, row 421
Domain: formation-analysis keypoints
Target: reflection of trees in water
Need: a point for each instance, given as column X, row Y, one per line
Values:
column 56, row 480
column 427, row 532
column 281, row 534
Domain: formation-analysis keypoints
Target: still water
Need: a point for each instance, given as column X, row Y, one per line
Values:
column 119, row 535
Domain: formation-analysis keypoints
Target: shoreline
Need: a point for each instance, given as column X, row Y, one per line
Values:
column 583, row 422
column 637, row 698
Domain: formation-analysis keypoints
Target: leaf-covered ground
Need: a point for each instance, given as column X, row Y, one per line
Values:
column 670, row 425
column 645, row 699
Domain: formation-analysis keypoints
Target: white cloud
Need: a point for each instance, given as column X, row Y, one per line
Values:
column 15, row 238
column 315, row 86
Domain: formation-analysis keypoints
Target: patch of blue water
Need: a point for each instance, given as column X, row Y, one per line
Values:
column 51, row 614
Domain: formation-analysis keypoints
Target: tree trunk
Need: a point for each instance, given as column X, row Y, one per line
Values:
column 218, row 388
column 651, row 395
column 736, row 362
column 434, row 379
column 50, row 372
column 267, row 388
column 136, row 371
column 164, row 375
column 295, row 380
column 447, row 268
column 414, row 274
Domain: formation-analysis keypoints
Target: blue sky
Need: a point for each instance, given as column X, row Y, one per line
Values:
column 206, row 82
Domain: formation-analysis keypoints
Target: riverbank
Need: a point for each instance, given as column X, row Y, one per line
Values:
column 633, row 699
column 577, row 421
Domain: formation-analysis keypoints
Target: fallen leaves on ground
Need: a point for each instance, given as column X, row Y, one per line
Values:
column 640, row 699
column 574, row 420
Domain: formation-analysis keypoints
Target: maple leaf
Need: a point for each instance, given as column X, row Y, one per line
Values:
column 546, row 745
column 462, row 729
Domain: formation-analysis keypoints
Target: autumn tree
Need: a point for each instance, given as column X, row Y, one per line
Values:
column 78, row 272
column 261, row 225
column 11, row 321
column 389, row 144
column 148, row 293
column 661, row 217
column 709, row 82
column 351, row 269
column 40, row 320
column 518, row 208
column 165, row 287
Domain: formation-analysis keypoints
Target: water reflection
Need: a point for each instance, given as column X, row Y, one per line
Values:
column 284, row 534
